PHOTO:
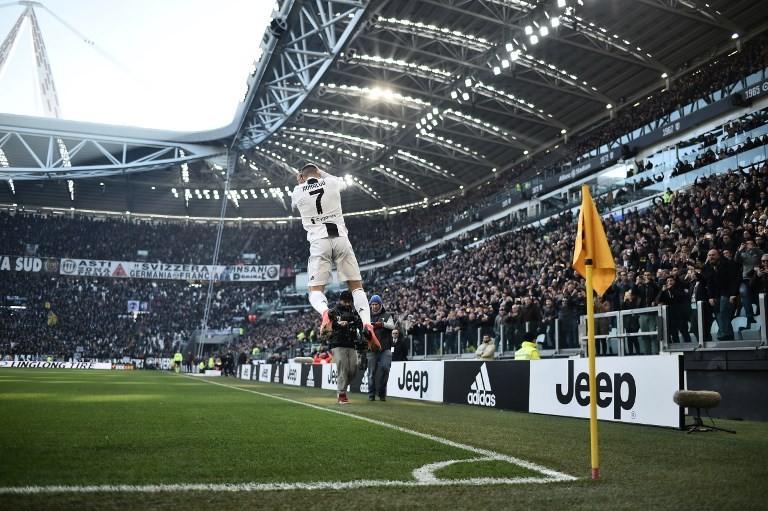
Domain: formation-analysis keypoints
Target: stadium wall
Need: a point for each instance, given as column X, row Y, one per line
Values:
column 633, row 390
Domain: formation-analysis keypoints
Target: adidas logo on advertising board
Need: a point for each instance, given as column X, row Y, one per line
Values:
column 310, row 377
column 265, row 371
column 480, row 392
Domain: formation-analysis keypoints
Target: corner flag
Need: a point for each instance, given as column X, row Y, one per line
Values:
column 591, row 228
column 592, row 260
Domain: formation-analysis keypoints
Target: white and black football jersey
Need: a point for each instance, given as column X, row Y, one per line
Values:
column 319, row 203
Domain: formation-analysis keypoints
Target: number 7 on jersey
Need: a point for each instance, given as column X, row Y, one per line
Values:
column 319, row 192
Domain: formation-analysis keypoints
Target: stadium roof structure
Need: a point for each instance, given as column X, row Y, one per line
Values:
column 408, row 99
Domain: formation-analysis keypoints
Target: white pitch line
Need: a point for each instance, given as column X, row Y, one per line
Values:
column 552, row 474
column 255, row 487
column 424, row 476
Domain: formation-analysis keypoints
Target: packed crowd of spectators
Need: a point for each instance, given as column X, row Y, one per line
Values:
column 86, row 237
column 56, row 315
column 526, row 275
column 519, row 282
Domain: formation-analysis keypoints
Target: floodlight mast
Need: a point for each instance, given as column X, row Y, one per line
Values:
column 50, row 98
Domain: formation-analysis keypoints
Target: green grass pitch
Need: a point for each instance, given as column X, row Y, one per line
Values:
column 217, row 446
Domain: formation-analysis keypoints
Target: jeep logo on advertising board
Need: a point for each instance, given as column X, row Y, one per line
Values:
column 332, row 376
column 413, row 381
column 578, row 388
column 417, row 380
column 634, row 390
column 265, row 372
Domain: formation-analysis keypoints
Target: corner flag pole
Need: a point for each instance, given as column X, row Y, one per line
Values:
column 592, row 260
column 590, row 252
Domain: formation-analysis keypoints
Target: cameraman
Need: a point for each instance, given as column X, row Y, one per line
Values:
column 380, row 361
column 344, row 341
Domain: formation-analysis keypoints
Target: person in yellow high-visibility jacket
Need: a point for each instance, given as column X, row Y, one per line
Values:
column 211, row 363
column 178, row 358
column 528, row 351
column 201, row 367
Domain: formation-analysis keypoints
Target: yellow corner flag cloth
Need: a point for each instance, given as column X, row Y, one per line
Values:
column 591, row 228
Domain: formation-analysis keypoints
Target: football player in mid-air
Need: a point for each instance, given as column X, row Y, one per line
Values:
column 317, row 196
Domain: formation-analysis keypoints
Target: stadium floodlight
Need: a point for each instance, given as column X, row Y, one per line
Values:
column 554, row 21
column 454, row 94
column 465, row 96
column 664, row 75
column 534, row 39
column 515, row 55
column 528, row 30
column 735, row 35
column 509, row 46
column 609, row 106
column 468, row 82
column 543, row 31
column 561, row 3
column 525, row 152
column 504, row 63
column 563, row 131
column 496, row 70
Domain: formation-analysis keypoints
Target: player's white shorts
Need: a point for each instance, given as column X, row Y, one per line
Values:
column 323, row 252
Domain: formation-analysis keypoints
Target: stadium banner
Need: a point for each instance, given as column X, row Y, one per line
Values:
column 668, row 128
column 311, row 375
column 265, row 373
column 417, row 380
column 168, row 271
column 636, row 390
column 23, row 264
column 292, row 374
column 581, row 169
column 495, row 383
column 245, row 371
column 758, row 90
column 56, row 365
